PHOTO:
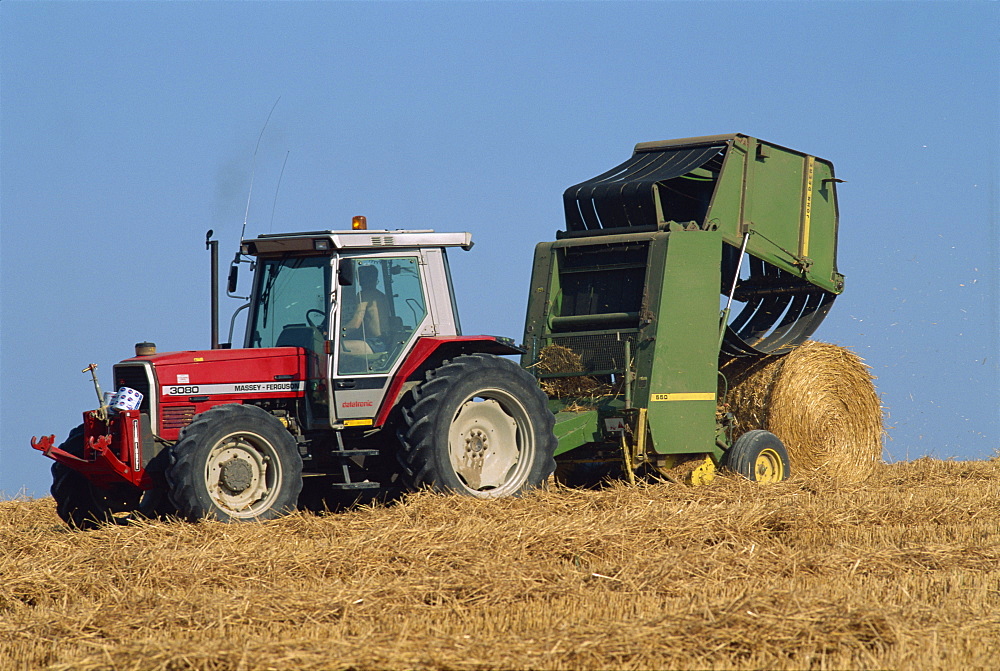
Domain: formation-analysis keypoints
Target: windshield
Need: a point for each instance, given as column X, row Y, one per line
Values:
column 289, row 303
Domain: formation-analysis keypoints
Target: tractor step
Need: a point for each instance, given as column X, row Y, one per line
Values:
column 356, row 453
column 354, row 485
column 344, row 455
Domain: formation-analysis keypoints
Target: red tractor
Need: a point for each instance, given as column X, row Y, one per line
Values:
column 354, row 381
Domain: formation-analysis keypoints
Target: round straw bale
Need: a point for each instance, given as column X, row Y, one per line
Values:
column 820, row 400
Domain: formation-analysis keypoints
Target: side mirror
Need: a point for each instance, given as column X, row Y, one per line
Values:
column 345, row 272
column 234, row 273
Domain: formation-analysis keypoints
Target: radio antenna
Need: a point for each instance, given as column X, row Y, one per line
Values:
column 275, row 204
column 253, row 170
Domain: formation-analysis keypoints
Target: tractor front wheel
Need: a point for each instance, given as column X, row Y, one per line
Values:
column 81, row 504
column 760, row 456
column 234, row 463
column 480, row 426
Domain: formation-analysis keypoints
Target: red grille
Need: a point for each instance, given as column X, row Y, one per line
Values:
column 177, row 416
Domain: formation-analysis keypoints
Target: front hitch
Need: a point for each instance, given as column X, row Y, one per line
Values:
column 112, row 451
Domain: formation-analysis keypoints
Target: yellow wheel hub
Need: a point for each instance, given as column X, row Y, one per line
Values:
column 768, row 467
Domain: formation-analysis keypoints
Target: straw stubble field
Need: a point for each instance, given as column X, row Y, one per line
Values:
column 900, row 571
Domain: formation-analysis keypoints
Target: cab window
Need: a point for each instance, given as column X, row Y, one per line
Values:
column 290, row 303
column 381, row 312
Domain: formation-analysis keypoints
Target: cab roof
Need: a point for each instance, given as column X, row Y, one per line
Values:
column 326, row 241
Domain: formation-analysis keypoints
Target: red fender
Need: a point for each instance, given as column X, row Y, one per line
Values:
column 425, row 348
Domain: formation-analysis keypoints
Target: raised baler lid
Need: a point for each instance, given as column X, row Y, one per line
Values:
column 624, row 195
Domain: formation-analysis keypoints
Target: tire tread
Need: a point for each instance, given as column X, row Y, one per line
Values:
column 417, row 435
column 182, row 473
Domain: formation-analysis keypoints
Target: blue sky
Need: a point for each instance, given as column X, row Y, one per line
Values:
column 128, row 129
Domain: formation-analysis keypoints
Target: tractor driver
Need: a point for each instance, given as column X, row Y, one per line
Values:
column 373, row 312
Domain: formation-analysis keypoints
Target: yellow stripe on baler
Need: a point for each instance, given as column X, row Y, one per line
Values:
column 685, row 396
column 807, row 205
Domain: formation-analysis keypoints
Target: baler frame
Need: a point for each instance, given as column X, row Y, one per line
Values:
column 668, row 232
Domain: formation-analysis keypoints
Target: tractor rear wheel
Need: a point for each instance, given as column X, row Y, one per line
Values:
column 478, row 425
column 760, row 456
column 80, row 503
column 234, row 463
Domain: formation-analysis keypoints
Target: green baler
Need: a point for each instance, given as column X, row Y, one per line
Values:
column 690, row 253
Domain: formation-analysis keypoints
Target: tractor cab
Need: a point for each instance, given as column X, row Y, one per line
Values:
column 356, row 301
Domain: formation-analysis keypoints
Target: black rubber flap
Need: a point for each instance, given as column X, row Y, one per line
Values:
column 623, row 196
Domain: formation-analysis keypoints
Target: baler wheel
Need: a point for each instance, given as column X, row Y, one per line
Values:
column 234, row 463
column 759, row 456
column 478, row 425
column 81, row 504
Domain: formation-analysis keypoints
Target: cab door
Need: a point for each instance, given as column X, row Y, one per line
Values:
column 377, row 318
column 290, row 309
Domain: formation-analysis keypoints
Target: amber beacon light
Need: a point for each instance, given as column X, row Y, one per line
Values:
column 359, row 223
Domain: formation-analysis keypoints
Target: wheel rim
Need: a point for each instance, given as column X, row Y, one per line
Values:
column 242, row 473
column 491, row 443
column 768, row 466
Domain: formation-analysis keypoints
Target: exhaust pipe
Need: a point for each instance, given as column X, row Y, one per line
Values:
column 213, row 247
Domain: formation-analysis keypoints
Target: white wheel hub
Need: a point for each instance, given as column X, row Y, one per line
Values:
column 237, row 475
column 482, row 444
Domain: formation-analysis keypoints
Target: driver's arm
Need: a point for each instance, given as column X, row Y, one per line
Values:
column 359, row 316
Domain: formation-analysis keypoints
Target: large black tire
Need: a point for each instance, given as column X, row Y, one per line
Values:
column 760, row 456
column 83, row 505
column 156, row 505
column 234, row 463
column 478, row 425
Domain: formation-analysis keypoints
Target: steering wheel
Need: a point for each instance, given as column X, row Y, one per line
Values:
column 322, row 318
